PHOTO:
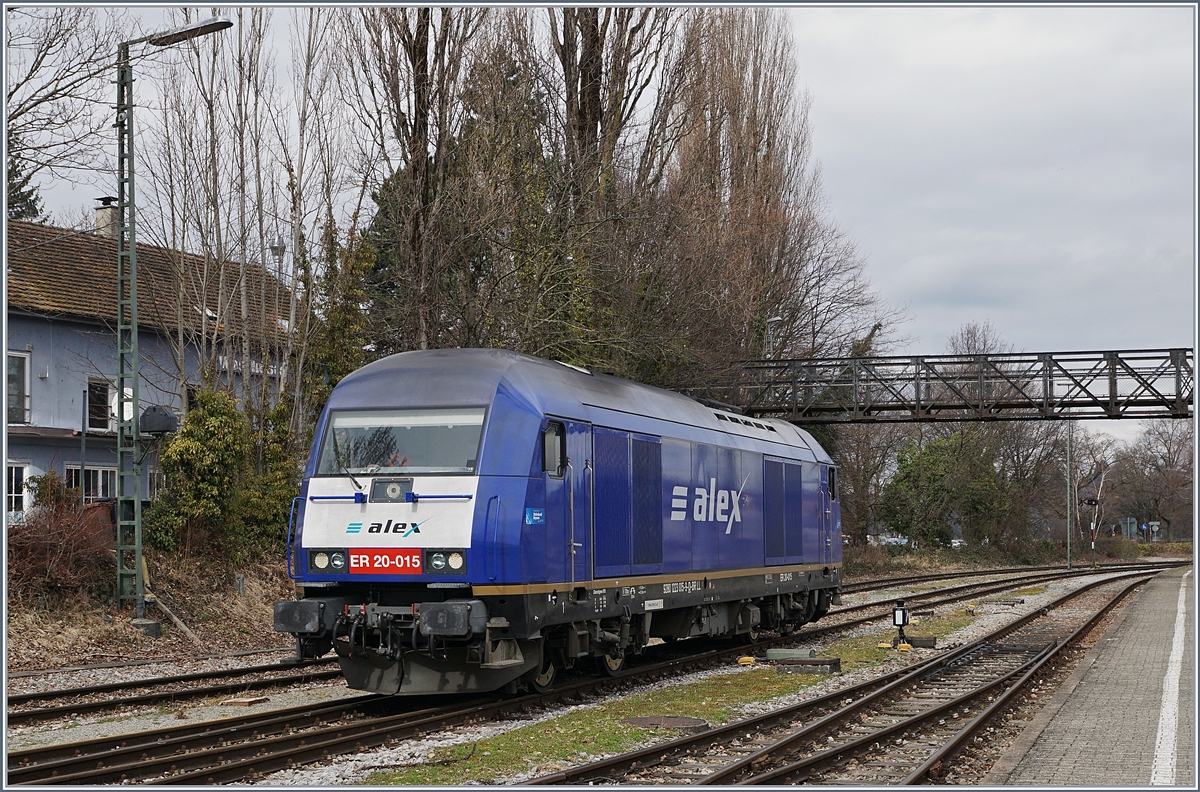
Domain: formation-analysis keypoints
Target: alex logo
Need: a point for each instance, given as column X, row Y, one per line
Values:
column 405, row 529
column 710, row 504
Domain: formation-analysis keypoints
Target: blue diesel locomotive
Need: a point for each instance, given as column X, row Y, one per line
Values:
column 476, row 519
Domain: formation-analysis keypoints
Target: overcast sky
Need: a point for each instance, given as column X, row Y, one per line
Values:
column 1031, row 167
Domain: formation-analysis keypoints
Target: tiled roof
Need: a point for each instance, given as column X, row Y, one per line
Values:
column 62, row 272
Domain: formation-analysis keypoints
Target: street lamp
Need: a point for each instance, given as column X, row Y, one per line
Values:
column 130, row 583
column 278, row 248
column 770, row 341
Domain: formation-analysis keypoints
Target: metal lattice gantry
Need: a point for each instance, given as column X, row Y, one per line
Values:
column 130, row 585
column 1144, row 383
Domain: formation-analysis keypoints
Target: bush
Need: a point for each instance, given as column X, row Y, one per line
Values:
column 213, row 498
column 1117, row 547
column 865, row 560
column 204, row 464
column 266, row 498
column 59, row 545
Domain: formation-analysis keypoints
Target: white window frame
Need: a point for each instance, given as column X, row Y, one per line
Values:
column 24, row 495
column 27, row 386
column 104, row 476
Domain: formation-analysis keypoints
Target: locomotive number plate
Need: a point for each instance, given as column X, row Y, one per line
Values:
column 385, row 561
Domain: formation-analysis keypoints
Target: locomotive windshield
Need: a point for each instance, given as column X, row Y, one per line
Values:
column 401, row 441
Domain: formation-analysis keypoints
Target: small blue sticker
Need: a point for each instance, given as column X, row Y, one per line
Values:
column 535, row 516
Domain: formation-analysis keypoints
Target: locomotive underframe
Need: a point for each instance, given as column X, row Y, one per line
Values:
column 412, row 639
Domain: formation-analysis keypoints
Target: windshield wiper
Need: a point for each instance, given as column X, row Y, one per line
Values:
column 337, row 457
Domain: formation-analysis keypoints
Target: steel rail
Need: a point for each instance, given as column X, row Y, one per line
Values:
column 33, row 764
column 874, row 585
column 1003, row 700
column 869, row 689
column 24, row 698
column 78, row 762
column 44, row 713
column 834, row 754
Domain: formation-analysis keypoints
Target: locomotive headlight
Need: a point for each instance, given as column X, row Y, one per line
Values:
column 437, row 561
column 456, row 561
column 321, row 560
column 338, row 561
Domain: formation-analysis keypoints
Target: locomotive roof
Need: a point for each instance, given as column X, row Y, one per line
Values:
column 474, row 377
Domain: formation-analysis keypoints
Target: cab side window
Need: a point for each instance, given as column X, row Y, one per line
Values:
column 833, row 493
column 554, row 449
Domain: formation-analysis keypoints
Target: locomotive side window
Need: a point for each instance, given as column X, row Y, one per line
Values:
column 832, row 483
column 554, row 449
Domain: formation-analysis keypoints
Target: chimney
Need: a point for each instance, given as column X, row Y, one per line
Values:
column 107, row 216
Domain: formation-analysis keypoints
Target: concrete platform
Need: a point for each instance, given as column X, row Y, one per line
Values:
column 1127, row 716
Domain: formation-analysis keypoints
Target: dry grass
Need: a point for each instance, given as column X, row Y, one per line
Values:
column 70, row 629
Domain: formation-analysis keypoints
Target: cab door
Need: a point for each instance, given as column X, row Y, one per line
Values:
column 567, row 475
column 828, row 506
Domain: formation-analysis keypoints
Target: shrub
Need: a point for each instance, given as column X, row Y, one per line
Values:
column 1116, row 547
column 865, row 560
column 59, row 545
column 205, row 464
column 214, row 499
column 266, row 497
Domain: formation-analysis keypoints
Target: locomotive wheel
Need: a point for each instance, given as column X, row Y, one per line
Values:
column 544, row 680
column 611, row 665
column 751, row 636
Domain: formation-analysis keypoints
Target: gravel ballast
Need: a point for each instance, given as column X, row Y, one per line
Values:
column 355, row 769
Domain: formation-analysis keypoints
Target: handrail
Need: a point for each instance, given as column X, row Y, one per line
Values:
column 487, row 513
column 291, row 529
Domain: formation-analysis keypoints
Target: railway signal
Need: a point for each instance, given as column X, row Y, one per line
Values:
column 900, row 620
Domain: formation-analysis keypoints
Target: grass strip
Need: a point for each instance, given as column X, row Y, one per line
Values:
column 589, row 732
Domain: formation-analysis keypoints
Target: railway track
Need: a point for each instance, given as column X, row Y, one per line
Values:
column 904, row 580
column 238, row 748
column 176, row 689
column 91, row 699
column 897, row 728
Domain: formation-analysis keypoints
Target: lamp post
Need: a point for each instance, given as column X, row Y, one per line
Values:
column 278, row 247
column 770, row 342
column 130, row 583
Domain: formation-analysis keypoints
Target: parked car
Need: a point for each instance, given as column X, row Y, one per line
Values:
column 956, row 543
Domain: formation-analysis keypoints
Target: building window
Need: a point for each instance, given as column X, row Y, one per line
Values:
column 156, row 483
column 14, row 491
column 99, row 407
column 18, row 388
column 100, row 483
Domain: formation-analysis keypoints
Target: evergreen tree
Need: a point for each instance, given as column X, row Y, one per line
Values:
column 24, row 203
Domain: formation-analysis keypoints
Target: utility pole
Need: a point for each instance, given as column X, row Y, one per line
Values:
column 1070, row 488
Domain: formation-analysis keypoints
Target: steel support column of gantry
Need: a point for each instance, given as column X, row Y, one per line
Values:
column 131, row 586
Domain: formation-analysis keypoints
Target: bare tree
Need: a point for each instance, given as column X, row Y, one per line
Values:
column 1153, row 475
column 405, row 70
column 58, row 61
